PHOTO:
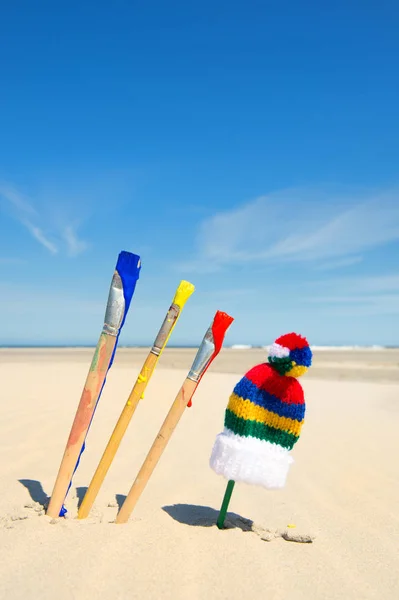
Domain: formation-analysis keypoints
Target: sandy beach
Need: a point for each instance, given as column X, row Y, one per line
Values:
column 343, row 487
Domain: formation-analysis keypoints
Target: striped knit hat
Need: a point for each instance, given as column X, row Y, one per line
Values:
column 264, row 417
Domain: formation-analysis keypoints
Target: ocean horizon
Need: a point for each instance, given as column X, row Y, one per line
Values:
column 191, row 346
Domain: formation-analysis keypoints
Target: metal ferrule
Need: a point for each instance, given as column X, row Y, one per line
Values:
column 203, row 356
column 115, row 307
column 166, row 328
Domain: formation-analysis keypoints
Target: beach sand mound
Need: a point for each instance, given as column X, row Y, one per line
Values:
column 344, row 486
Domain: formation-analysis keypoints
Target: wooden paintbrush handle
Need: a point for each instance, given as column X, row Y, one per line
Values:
column 182, row 294
column 173, row 417
column 91, row 392
column 117, row 435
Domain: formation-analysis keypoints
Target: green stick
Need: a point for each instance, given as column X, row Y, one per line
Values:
column 225, row 504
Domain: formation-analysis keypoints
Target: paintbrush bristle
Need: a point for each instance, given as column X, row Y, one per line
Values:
column 127, row 263
column 220, row 325
column 128, row 267
column 183, row 293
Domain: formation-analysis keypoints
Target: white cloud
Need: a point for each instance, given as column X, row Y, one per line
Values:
column 339, row 263
column 359, row 306
column 299, row 225
column 37, row 223
column 25, row 213
column 38, row 234
column 376, row 284
column 358, row 296
column 74, row 245
column 17, row 200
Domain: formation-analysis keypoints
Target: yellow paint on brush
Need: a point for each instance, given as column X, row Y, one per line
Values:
column 184, row 290
column 142, row 378
column 246, row 409
column 183, row 293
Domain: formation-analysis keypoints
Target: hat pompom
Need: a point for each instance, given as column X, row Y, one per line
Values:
column 290, row 355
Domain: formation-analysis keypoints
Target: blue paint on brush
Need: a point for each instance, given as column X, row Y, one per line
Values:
column 128, row 267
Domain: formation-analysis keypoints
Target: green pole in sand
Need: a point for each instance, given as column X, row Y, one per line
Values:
column 225, row 504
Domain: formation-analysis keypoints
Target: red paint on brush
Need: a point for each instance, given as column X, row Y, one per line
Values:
column 220, row 325
column 87, row 402
column 82, row 419
column 102, row 364
column 183, row 393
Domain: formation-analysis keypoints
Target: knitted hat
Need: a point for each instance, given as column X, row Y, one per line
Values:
column 264, row 417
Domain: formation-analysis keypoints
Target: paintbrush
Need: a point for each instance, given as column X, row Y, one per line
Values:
column 209, row 349
column 123, row 284
column 182, row 294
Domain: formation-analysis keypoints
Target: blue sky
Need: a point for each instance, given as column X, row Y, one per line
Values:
column 249, row 147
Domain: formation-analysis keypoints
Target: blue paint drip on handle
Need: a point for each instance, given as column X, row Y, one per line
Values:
column 128, row 266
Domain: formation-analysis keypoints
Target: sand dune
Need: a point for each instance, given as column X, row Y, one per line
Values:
column 343, row 488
